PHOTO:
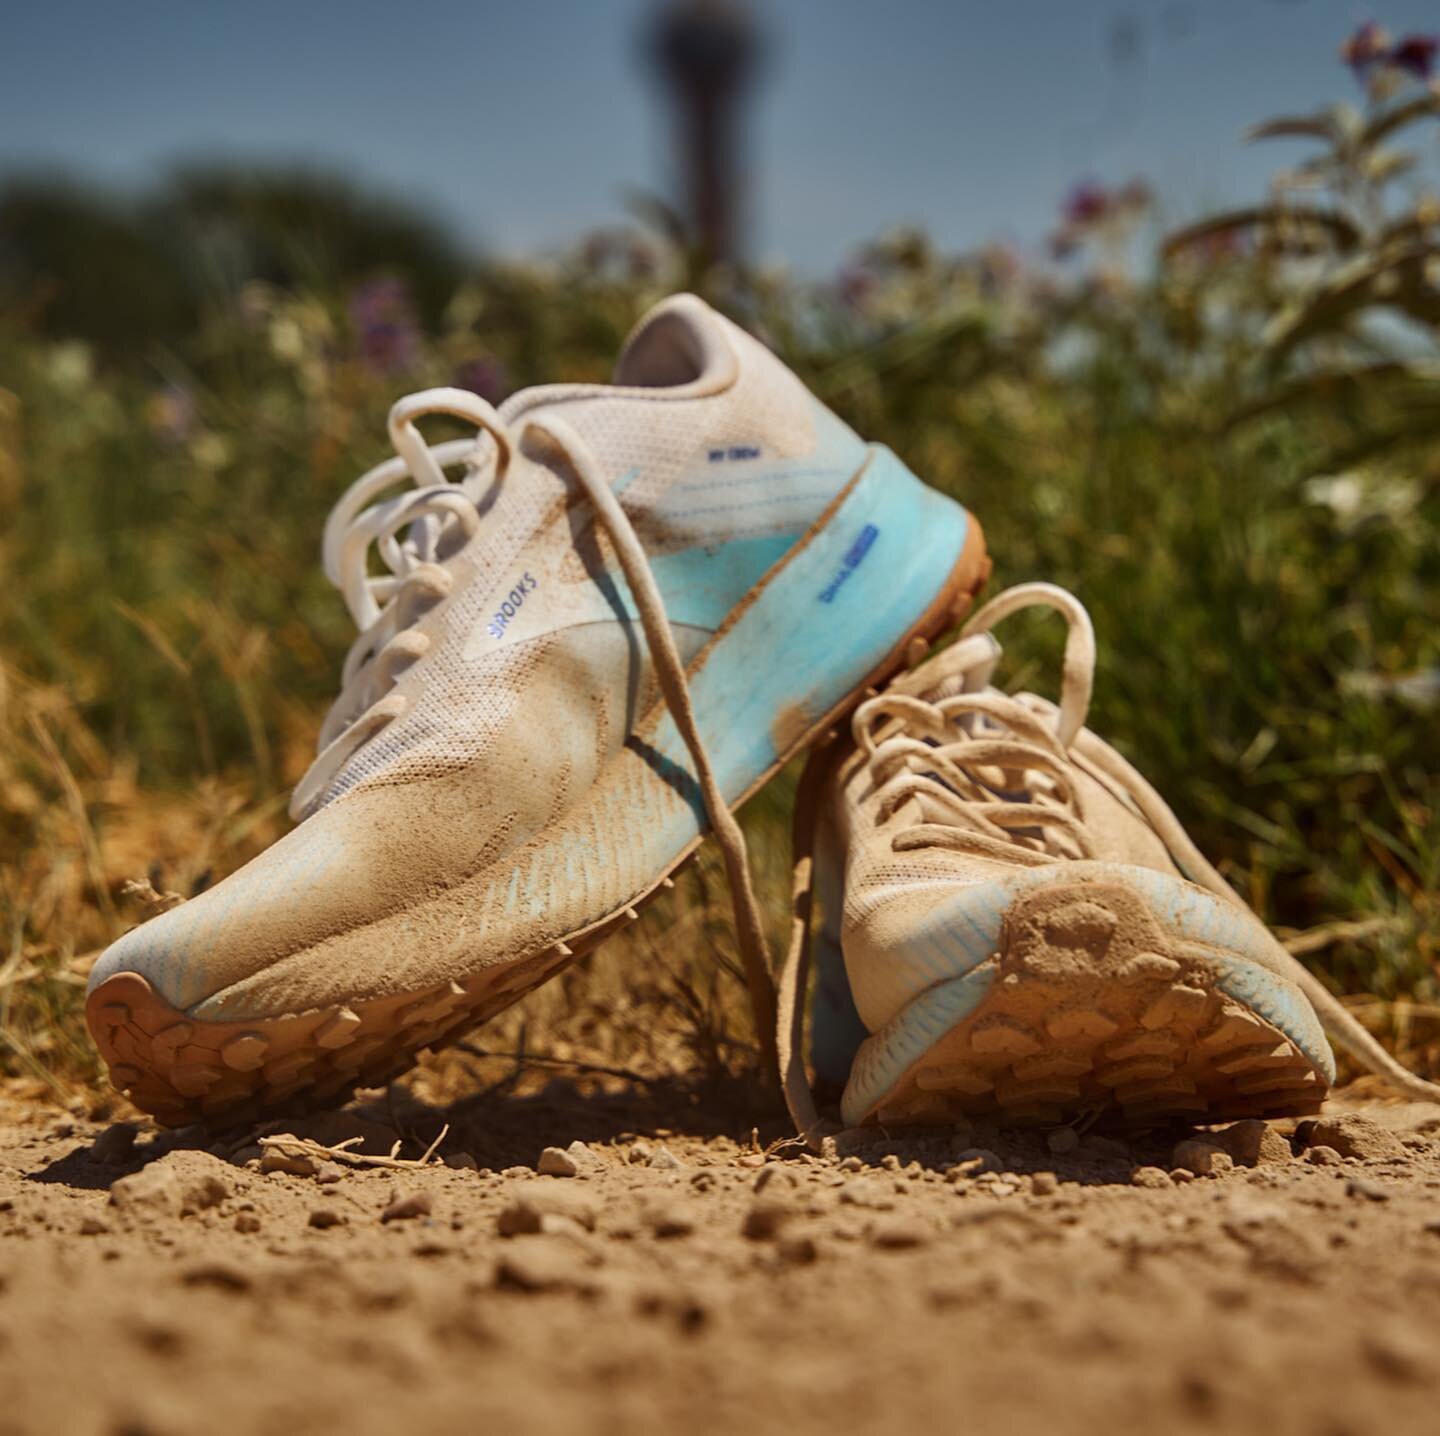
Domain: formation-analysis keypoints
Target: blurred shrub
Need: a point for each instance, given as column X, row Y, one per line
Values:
column 1229, row 456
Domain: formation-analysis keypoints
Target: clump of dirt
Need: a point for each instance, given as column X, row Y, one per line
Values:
column 560, row 1263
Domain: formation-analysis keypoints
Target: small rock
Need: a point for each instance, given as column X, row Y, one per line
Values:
column 247, row 1223
column 545, row 1206
column 178, row 1183
column 638, row 1154
column 546, row 1264
column 765, row 1219
column 1370, row 1191
column 664, row 1160
column 1063, row 1141
column 322, row 1218
column 1205, row 1159
column 1352, row 1136
column 1252, row 1143
column 772, row 1173
column 870, row 1193
column 406, row 1207
column 294, row 1164
column 851, row 1163
column 1044, row 1184
column 890, row 1162
column 114, row 1145
column 799, row 1250
column 219, row 1274
column 462, row 1162
column 669, row 1220
column 329, row 1173
column 1153, row 1177
column 1323, row 1156
column 1181, row 1175
column 898, row 1234
column 979, row 1159
column 556, row 1162
column 92, row 1227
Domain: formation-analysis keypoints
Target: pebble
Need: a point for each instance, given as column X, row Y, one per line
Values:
column 247, row 1223
column 1352, row 1136
column 665, row 1160
column 771, row 1174
column 557, row 1162
column 1063, row 1140
column 869, row 1192
column 462, row 1162
column 546, row 1264
column 765, row 1219
column 114, row 1145
column 1153, row 1177
column 295, row 1164
column 1044, row 1184
column 92, row 1227
column 669, row 1221
column 1204, row 1158
column 541, row 1206
column 979, row 1159
column 406, row 1207
column 330, row 1173
column 1323, row 1156
column 1252, row 1143
column 1363, row 1187
column 323, row 1218
column 852, row 1164
column 798, row 1250
column 898, row 1234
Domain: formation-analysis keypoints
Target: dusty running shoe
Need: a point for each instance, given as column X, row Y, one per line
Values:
column 1016, row 926
column 629, row 608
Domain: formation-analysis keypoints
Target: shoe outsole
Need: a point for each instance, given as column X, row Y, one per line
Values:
column 1060, row 1024
column 182, row 1070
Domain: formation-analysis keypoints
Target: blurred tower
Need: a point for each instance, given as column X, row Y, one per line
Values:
column 706, row 53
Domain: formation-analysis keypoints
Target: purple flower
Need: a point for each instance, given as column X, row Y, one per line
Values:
column 1086, row 204
column 484, row 376
column 385, row 325
column 1366, row 47
column 1415, row 54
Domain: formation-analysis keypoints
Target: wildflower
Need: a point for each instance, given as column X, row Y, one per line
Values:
column 170, row 412
column 385, row 325
column 1416, row 55
column 1368, row 46
column 1087, row 204
column 484, row 376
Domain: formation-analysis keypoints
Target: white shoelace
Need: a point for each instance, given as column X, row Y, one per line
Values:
column 436, row 519
column 992, row 773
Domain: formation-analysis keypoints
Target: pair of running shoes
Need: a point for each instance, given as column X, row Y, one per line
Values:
column 596, row 626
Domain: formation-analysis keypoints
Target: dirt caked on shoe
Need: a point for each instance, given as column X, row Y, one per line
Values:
column 1016, row 927
column 630, row 606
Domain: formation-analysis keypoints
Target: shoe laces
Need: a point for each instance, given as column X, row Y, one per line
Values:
column 415, row 535
column 993, row 773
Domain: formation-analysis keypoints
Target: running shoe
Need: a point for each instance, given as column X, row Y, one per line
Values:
column 586, row 634
column 1017, row 928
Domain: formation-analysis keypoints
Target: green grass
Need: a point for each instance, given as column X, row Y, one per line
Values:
column 169, row 644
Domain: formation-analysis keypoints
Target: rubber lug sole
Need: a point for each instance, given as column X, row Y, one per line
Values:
column 1061, row 1023
column 182, row 1070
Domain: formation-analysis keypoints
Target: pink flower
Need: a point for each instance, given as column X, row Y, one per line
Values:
column 1415, row 54
column 1369, row 45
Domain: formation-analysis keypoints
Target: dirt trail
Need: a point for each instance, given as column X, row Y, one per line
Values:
column 681, row 1282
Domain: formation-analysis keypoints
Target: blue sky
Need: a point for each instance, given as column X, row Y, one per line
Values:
column 523, row 124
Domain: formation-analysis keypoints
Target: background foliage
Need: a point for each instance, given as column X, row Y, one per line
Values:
column 1225, row 442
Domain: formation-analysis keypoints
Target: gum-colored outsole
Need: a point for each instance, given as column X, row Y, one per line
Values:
column 182, row 1070
column 1093, row 1011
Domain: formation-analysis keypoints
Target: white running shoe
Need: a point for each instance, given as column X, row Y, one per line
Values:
column 1016, row 927
column 630, row 607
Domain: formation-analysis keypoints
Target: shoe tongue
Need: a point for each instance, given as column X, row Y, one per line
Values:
column 965, row 667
